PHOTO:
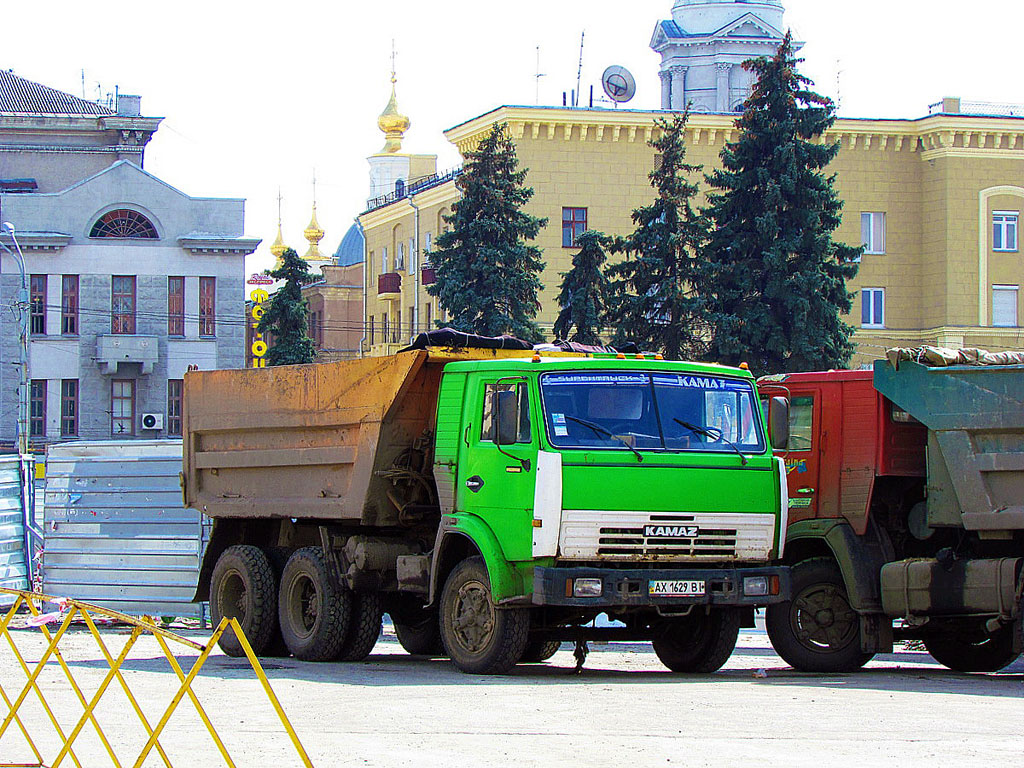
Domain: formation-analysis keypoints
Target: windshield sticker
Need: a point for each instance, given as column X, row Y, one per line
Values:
column 701, row 382
column 592, row 378
column 561, row 431
column 558, row 418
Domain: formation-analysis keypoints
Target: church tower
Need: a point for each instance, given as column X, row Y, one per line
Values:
column 704, row 45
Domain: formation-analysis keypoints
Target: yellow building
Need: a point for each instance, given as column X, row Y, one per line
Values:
column 936, row 200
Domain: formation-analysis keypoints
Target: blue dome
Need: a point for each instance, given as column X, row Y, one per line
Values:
column 351, row 249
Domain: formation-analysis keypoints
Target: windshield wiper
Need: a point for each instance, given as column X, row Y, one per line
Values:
column 714, row 434
column 602, row 431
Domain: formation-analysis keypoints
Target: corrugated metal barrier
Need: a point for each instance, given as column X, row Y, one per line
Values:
column 116, row 533
column 13, row 561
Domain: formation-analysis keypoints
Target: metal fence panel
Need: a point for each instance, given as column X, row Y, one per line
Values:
column 13, row 562
column 116, row 533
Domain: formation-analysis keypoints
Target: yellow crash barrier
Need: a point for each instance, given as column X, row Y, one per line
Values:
column 70, row 610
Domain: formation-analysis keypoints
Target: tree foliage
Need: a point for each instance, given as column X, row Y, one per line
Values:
column 776, row 280
column 487, row 275
column 653, row 299
column 285, row 314
column 584, row 294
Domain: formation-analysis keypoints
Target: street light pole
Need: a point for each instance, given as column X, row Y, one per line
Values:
column 23, row 321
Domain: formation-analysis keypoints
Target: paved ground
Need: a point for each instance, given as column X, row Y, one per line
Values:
column 624, row 710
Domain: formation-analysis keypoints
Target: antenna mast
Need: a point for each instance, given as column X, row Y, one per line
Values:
column 538, row 76
column 579, row 72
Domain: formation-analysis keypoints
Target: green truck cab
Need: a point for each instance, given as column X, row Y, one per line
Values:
column 495, row 504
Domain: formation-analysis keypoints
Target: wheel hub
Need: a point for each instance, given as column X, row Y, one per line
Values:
column 823, row 618
column 473, row 621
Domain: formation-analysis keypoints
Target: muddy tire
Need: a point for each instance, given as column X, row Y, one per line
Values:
column 314, row 616
column 420, row 638
column 540, row 650
column 699, row 643
column 817, row 631
column 243, row 587
column 988, row 655
column 364, row 627
column 480, row 638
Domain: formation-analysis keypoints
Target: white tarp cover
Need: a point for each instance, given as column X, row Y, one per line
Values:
column 940, row 357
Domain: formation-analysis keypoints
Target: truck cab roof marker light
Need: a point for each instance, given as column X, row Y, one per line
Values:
column 744, row 366
column 620, row 356
column 640, row 356
column 659, row 356
column 536, row 357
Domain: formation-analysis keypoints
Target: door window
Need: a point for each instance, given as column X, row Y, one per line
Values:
column 489, row 424
column 801, row 423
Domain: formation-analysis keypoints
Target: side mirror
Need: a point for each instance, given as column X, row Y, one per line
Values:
column 506, row 417
column 778, row 422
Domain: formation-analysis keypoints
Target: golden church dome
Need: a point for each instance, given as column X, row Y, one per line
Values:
column 393, row 124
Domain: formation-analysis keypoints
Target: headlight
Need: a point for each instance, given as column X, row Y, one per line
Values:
column 587, row 588
column 755, row 586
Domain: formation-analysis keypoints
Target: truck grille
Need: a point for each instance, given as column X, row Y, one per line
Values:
column 587, row 534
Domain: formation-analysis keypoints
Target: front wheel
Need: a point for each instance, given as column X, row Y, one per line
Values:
column 479, row 637
column 988, row 655
column 699, row 643
column 817, row 631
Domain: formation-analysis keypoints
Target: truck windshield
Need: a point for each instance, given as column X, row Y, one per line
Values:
column 651, row 411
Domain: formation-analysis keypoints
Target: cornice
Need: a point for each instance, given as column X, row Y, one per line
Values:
column 39, row 241
column 199, row 245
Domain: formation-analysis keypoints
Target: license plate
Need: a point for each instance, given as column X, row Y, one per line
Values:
column 676, row 588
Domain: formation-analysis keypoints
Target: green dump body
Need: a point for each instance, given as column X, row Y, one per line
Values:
column 975, row 420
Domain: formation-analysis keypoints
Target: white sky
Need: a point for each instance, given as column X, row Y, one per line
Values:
column 255, row 95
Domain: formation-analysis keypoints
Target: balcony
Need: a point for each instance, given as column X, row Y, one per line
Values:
column 389, row 286
column 427, row 275
column 113, row 349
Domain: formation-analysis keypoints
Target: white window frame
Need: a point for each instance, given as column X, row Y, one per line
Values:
column 870, row 246
column 872, row 321
column 384, row 260
column 1015, row 290
column 1009, row 224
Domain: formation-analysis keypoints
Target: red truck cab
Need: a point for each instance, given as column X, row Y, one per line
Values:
column 846, row 442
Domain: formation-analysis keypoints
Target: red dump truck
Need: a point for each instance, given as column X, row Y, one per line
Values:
column 906, row 514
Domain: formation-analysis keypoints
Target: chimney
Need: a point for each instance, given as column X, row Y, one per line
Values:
column 129, row 106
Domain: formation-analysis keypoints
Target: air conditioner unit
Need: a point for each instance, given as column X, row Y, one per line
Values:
column 152, row 421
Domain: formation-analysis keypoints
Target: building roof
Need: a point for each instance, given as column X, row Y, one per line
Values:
column 351, row 249
column 21, row 96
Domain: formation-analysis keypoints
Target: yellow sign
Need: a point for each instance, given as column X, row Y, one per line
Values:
column 259, row 346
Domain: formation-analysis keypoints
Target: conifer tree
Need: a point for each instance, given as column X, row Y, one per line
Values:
column 653, row 300
column 584, row 294
column 487, row 275
column 285, row 315
column 776, row 279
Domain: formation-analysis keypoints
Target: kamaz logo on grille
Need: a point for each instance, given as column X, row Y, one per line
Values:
column 671, row 531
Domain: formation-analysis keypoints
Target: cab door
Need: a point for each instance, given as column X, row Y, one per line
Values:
column 496, row 482
column 803, row 453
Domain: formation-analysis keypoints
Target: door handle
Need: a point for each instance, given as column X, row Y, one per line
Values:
column 805, row 490
column 475, row 483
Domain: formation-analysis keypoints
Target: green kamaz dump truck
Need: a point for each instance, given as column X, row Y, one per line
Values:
column 494, row 503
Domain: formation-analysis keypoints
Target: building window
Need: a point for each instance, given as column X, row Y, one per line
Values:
column 37, row 304
column 124, row 223
column 430, row 317
column 37, row 408
column 872, row 308
column 574, row 224
column 383, row 260
column 69, row 305
column 122, row 304
column 428, row 244
column 384, row 327
column 174, row 390
column 122, row 407
column 207, row 306
column 412, row 255
column 69, row 408
column 1004, row 306
column 872, row 232
column 371, row 330
column 400, row 259
column 1004, row 231
column 175, row 306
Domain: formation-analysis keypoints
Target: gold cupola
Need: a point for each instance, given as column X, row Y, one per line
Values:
column 278, row 248
column 314, row 234
column 393, row 123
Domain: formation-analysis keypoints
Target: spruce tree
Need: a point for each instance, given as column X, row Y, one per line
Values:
column 776, row 279
column 487, row 275
column 653, row 300
column 285, row 315
column 584, row 294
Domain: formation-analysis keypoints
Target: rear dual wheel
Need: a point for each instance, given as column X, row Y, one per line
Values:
column 987, row 655
column 699, row 643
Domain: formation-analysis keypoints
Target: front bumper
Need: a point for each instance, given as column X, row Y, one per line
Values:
column 632, row 587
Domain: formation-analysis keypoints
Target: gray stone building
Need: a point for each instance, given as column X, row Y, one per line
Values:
column 131, row 281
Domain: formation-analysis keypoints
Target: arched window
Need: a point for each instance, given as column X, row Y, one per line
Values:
column 124, row 223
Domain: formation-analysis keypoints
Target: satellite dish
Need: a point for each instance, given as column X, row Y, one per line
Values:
column 618, row 84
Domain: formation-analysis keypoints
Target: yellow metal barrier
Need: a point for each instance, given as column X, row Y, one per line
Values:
column 84, row 612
